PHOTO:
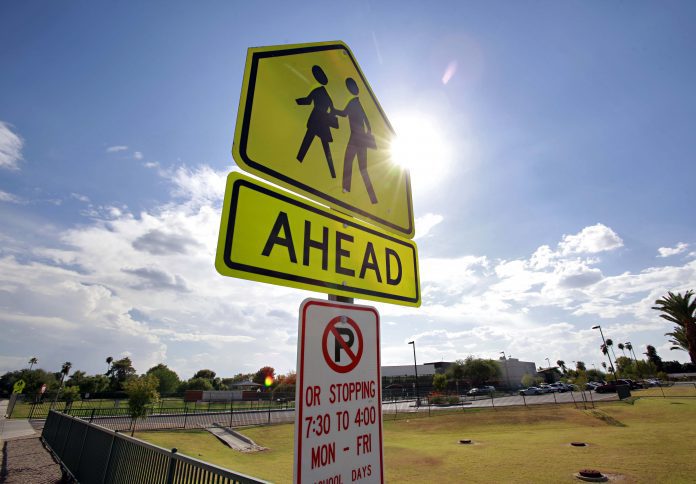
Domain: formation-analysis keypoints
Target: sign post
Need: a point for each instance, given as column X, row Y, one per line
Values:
column 338, row 401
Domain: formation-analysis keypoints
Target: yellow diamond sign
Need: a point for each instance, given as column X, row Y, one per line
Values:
column 309, row 121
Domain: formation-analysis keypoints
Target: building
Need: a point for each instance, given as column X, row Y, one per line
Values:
column 513, row 370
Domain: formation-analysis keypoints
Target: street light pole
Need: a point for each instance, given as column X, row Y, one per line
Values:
column 415, row 369
column 507, row 375
column 613, row 370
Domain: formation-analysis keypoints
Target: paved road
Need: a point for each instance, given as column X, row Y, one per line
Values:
column 513, row 400
column 256, row 417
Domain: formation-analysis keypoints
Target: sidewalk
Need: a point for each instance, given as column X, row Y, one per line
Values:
column 13, row 428
column 23, row 459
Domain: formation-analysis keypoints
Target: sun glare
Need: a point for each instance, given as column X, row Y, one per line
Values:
column 421, row 147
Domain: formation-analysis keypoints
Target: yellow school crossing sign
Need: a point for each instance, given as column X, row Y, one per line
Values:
column 309, row 121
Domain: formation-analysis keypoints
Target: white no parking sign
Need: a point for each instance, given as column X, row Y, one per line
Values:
column 338, row 417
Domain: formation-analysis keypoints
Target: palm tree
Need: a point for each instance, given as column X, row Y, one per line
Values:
column 678, row 339
column 561, row 363
column 681, row 310
column 621, row 347
column 604, row 365
column 610, row 344
column 109, row 359
column 32, row 361
column 64, row 370
column 604, row 349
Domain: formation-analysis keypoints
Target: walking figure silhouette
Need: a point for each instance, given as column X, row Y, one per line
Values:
column 321, row 119
column 360, row 140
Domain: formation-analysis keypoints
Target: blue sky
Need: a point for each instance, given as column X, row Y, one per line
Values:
column 556, row 191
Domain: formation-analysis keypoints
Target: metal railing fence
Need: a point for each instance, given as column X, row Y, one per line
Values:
column 92, row 454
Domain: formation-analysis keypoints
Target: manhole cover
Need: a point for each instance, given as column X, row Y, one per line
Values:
column 591, row 475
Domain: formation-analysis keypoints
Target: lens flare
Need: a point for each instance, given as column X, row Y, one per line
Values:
column 268, row 381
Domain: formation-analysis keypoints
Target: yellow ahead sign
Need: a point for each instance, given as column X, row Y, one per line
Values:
column 308, row 121
column 270, row 235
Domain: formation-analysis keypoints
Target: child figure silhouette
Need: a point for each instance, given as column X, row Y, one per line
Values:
column 321, row 119
column 360, row 140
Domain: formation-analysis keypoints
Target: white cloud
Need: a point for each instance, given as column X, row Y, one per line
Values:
column 151, row 164
column 10, row 148
column 425, row 223
column 8, row 197
column 591, row 240
column 670, row 251
column 138, row 155
column 79, row 197
column 116, row 149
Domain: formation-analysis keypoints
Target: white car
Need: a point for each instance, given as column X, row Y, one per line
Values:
column 531, row 391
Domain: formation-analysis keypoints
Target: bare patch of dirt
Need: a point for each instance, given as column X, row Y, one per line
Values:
column 25, row 460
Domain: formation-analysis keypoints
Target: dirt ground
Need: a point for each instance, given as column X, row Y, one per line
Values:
column 25, row 460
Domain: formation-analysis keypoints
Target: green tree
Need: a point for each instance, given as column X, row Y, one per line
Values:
column 142, row 392
column 653, row 358
column 625, row 367
column 32, row 361
column 561, row 364
column 120, row 372
column 580, row 366
column 71, row 393
column 33, row 379
column 109, row 359
column 260, row 376
column 678, row 339
column 207, row 374
column 77, row 378
column 529, row 380
column 439, row 382
column 168, row 379
column 196, row 384
column 479, row 371
column 94, row 384
column 680, row 310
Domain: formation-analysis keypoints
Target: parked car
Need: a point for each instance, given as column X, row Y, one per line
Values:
column 545, row 388
column 558, row 387
column 609, row 387
column 592, row 385
column 633, row 385
column 531, row 391
column 480, row 391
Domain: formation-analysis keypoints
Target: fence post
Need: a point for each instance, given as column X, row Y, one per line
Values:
column 231, row 410
column 91, row 417
column 185, row 414
column 662, row 390
column 492, row 404
column 554, row 398
column 524, row 400
column 572, row 395
column 108, row 458
column 172, row 467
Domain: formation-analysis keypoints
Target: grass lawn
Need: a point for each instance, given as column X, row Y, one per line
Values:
column 653, row 440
